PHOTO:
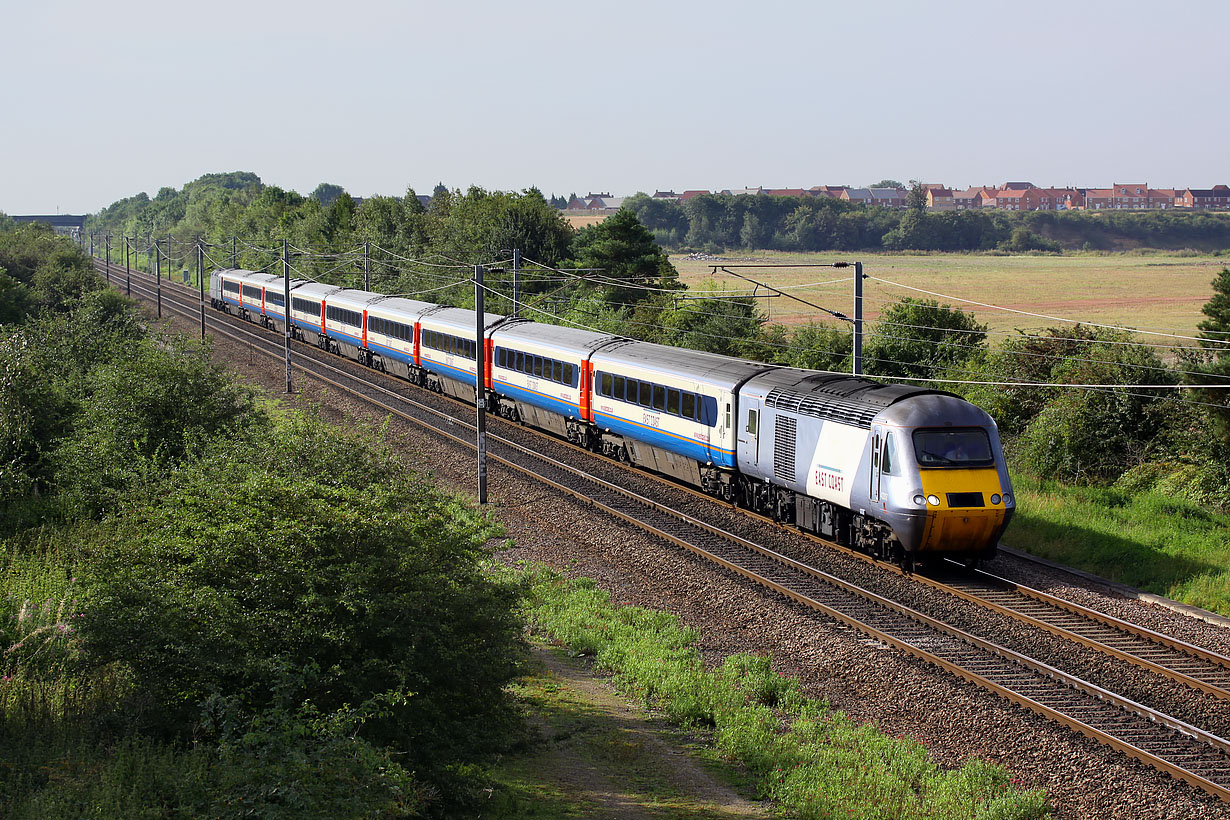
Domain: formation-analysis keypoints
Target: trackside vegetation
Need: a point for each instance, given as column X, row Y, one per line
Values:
column 211, row 608
column 808, row 758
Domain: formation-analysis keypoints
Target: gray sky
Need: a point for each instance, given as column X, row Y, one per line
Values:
column 103, row 100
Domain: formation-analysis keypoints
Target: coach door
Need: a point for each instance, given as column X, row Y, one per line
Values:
column 877, row 453
column 750, row 416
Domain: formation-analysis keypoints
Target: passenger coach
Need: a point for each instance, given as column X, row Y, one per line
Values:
column 671, row 410
column 542, row 376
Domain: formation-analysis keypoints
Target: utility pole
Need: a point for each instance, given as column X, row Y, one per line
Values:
column 234, row 258
column 858, row 319
column 158, row 276
column 200, row 278
column 516, row 282
column 108, row 267
column 286, row 309
column 367, row 266
column 91, row 244
column 480, row 382
column 127, row 269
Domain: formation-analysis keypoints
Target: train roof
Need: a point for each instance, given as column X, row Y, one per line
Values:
column 840, row 397
column 236, row 273
column 722, row 371
column 411, row 309
column 460, row 319
column 571, row 339
column 317, row 289
column 272, row 279
column 349, row 297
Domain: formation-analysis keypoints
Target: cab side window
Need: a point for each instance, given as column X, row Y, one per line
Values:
column 888, row 461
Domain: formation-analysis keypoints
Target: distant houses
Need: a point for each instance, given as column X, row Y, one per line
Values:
column 595, row 202
column 1011, row 196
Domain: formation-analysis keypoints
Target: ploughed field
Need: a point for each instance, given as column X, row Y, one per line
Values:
column 1162, row 292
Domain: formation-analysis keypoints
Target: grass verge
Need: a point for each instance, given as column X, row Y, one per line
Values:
column 814, row 762
column 1146, row 540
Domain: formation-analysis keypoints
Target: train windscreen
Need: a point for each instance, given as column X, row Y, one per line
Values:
column 953, row 447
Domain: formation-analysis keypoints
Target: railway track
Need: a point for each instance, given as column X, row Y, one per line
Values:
column 1185, row 751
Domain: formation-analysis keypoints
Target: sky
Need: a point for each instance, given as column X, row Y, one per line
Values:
column 101, row 101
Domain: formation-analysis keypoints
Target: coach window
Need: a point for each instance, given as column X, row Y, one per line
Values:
column 659, row 397
column 604, row 387
column 557, row 368
column 568, row 375
column 619, row 390
column 672, row 401
column 688, row 408
column 646, row 397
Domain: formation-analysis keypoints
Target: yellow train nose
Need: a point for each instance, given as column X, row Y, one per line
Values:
column 964, row 520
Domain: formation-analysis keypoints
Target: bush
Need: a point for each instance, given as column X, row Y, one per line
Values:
column 138, row 415
column 300, row 562
column 1088, row 434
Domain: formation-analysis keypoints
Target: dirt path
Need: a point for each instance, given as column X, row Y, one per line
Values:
column 602, row 757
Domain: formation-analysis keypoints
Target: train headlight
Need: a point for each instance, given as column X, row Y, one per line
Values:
column 920, row 501
column 933, row 500
column 994, row 498
column 1007, row 498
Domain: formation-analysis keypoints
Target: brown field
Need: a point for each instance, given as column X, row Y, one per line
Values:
column 1155, row 292
column 584, row 220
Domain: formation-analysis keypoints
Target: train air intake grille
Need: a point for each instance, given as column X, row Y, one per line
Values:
column 823, row 407
column 785, row 429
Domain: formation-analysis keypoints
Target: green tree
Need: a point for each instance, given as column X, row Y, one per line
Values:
column 916, row 199
column 820, row 347
column 627, row 256
column 326, row 192
column 707, row 321
column 1029, row 358
column 15, row 299
column 921, row 338
column 1215, row 365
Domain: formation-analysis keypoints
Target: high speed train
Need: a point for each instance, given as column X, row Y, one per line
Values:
column 904, row 473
